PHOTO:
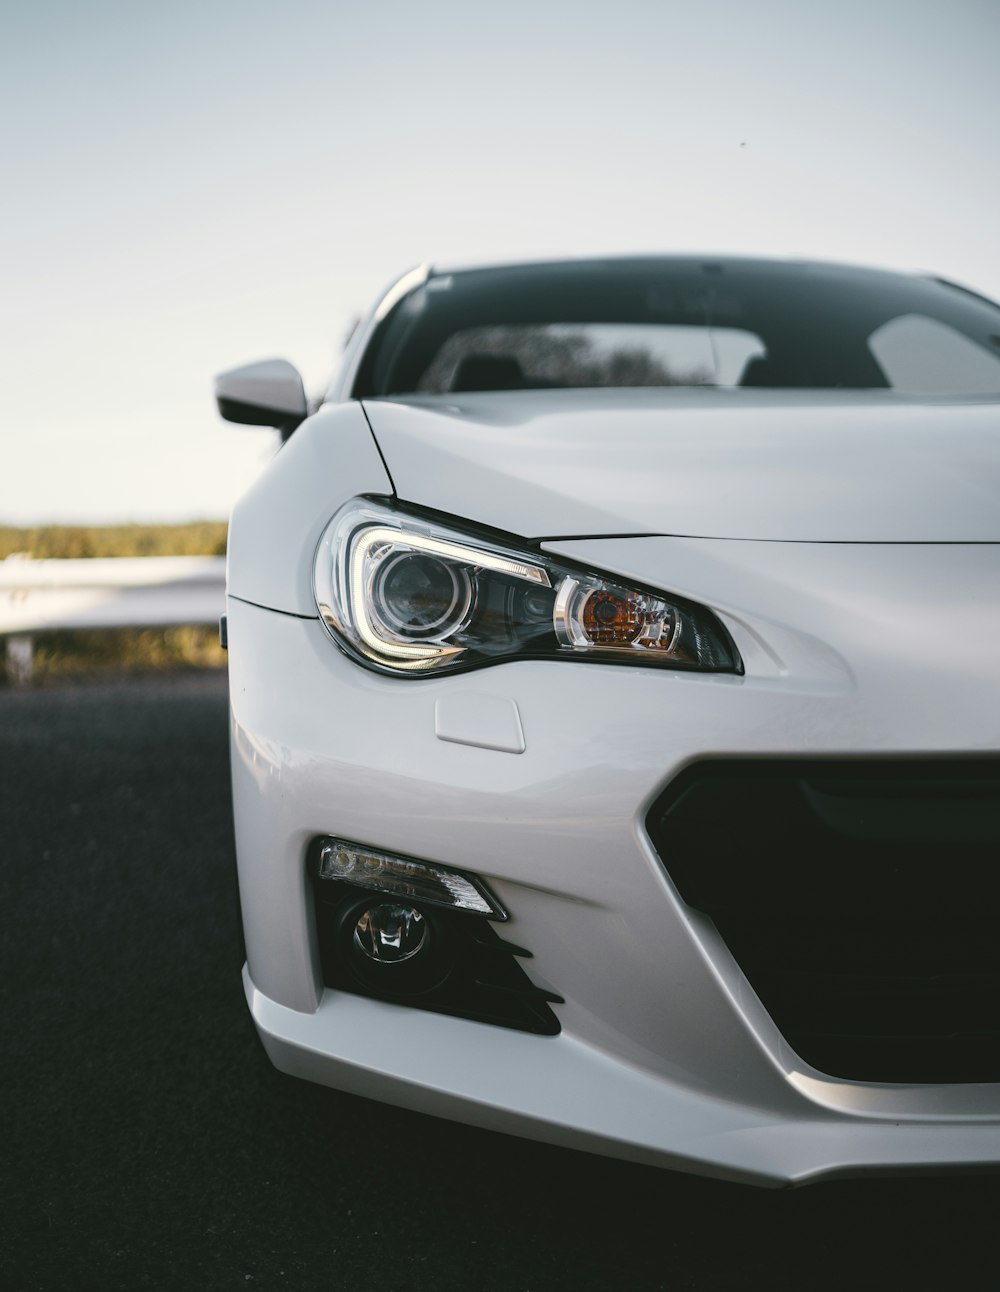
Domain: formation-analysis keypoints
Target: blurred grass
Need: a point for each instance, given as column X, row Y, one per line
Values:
column 126, row 650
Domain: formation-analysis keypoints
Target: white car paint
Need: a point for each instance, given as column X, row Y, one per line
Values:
column 859, row 583
column 273, row 384
column 276, row 525
column 782, row 465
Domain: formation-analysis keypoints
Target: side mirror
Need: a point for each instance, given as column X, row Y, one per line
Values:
column 268, row 393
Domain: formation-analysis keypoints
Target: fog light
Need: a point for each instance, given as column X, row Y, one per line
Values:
column 390, row 933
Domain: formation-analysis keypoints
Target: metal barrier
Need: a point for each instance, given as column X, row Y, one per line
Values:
column 112, row 592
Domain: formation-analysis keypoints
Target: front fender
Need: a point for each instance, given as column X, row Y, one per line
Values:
column 276, row 526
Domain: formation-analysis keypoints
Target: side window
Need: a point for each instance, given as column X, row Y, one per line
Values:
column 921, row 356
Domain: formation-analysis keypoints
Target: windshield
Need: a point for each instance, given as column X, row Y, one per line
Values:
column 684, row 322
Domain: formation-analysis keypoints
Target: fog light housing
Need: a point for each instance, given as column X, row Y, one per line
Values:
column 391, row 933
column 417, row 934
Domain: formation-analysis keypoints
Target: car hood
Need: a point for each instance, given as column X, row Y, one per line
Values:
column 752, row 464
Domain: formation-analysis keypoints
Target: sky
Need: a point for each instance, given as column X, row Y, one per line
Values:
column 192, row 186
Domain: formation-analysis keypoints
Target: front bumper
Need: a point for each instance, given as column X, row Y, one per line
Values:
column 562, row 1090
column 666, row 1055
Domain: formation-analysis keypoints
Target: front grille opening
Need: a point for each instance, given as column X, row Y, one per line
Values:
column 861, row 900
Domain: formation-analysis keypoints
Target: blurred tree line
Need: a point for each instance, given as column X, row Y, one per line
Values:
column 198, row 538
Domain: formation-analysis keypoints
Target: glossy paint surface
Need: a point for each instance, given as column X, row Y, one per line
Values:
column 276, row 526
column 322, row 746
column 850, row 543
column 763, row 464
column 270, row 383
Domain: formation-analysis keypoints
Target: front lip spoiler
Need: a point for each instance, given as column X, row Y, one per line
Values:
column 517, row 1083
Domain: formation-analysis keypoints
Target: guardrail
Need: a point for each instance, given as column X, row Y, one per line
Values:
column 103, row 592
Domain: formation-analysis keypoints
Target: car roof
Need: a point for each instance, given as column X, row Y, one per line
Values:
column 657, row 259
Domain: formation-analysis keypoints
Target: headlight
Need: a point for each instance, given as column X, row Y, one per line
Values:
column 408, row 595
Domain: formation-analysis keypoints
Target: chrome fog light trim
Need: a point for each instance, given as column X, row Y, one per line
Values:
column 418, row 881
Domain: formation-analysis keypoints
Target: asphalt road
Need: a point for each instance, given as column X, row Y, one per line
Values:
column 147, row 1142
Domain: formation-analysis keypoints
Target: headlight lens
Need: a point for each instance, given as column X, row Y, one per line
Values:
column 418, row 594
column 406, row 595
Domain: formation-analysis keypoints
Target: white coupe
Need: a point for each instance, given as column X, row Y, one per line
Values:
column 615, row 676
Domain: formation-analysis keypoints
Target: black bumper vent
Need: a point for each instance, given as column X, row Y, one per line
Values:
column 861, row 900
